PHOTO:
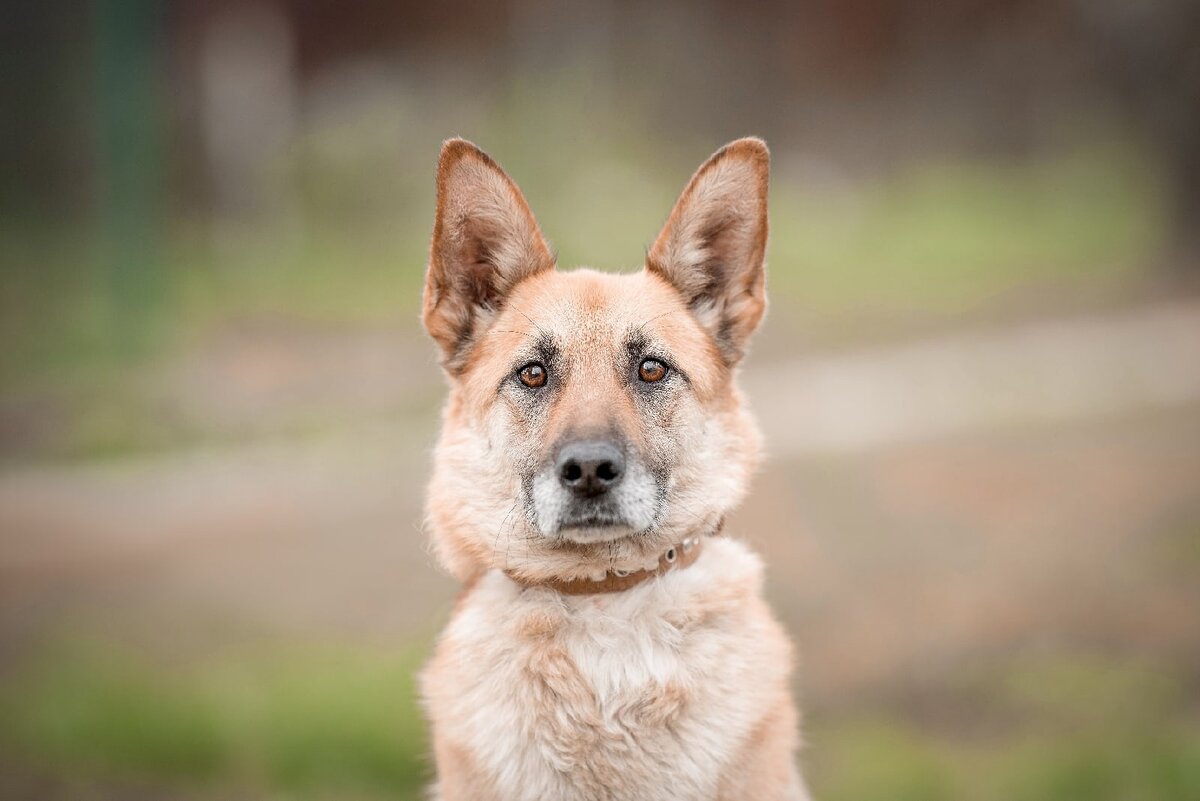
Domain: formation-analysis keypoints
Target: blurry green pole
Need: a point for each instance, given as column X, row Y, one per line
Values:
column 130, row 167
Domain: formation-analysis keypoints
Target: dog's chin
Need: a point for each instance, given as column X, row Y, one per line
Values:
column 587, row 532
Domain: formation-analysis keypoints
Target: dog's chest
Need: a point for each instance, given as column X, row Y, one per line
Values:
column 604, row 700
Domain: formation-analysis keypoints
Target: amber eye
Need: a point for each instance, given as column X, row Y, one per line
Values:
column 533, row 375
column 651, row 370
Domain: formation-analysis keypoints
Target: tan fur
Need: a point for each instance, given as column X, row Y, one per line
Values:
column 678, row 687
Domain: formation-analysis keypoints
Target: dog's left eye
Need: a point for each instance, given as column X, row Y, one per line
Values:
column 652, row 370
column 533, row 375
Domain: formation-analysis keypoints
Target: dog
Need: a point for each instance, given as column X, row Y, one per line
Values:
column 608, row 642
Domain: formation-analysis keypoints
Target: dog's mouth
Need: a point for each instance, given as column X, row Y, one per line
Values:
column 591, row 522
column 596, row 513
column 594, row 525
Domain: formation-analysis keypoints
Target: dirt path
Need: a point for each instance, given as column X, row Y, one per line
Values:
column 1044, row 373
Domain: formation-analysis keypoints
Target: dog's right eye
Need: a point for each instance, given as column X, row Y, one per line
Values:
column 533, row 375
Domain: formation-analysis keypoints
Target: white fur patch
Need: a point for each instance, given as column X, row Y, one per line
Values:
column 636, row 502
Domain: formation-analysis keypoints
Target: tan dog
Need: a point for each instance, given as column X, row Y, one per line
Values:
column 607, row 644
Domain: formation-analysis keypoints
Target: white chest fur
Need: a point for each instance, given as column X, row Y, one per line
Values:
column 642, row 695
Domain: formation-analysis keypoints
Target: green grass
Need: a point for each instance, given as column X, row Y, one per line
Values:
column 341, row 722
column 1052, row 727
column 946, row 238
column 884, row 759
column 291, row 722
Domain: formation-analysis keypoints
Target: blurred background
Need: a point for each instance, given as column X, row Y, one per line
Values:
column 980, row 376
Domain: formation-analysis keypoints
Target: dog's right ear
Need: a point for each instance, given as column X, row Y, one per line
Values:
column 485, row 241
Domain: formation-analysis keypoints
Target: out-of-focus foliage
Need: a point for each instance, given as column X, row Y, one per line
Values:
column 324, row 722
column 320, row 721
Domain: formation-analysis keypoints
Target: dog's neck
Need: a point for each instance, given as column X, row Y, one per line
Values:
column 677, row 557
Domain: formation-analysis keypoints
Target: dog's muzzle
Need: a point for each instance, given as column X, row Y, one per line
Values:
column 593, row 490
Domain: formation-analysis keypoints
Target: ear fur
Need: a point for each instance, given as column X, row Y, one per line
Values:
column 712, row 246
column 485, row 241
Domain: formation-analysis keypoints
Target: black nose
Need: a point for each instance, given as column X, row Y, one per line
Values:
column 590, row 468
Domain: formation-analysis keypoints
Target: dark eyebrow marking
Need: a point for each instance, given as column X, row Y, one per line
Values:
column 636, row 342
column 546, row 346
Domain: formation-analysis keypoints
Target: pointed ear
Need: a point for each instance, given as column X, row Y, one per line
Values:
column 485, row 241
column 712, row 247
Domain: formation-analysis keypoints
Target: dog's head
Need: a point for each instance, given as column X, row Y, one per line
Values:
column 593, row 418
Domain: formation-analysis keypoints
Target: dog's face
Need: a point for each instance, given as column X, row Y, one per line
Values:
column 593, row 419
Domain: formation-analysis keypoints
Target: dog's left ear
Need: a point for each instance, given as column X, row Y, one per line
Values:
column 485, row 241
column 712, row 247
